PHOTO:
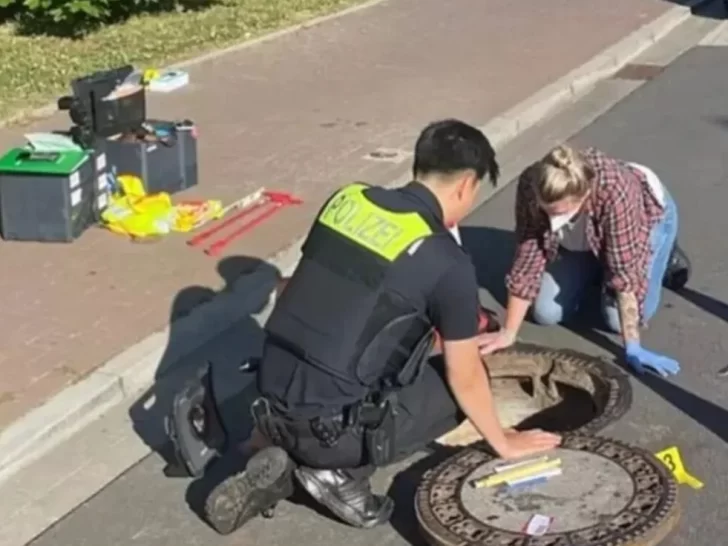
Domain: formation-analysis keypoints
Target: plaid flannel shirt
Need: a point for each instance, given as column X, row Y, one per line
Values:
column 622, row 212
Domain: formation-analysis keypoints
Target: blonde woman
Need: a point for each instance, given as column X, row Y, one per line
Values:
column 584, row 219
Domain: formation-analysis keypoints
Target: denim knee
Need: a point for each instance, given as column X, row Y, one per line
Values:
column 610, row 313
column 547, row 312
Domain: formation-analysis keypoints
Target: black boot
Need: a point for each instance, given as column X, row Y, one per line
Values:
column 678, row 269
column 350, row 499
column 266, row 480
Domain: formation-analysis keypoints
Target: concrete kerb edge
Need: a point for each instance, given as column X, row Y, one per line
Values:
column 127, row 374
column 717, row 36
column 51, row 108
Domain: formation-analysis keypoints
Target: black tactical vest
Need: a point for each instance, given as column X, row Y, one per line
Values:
column 336, row 313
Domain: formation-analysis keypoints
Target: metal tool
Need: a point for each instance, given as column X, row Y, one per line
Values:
column 275, row 200
column 244, row 204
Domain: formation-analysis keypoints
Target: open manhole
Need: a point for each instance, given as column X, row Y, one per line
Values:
column 609, row 494
column 555, row 390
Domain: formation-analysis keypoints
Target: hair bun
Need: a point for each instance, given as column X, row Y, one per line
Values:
column 563, row 173
column 562, row 157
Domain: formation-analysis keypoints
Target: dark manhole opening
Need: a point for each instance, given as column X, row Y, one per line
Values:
column 556, row 390
column 642, row 72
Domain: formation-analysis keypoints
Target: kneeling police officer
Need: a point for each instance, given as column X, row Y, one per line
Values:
column 347, row 379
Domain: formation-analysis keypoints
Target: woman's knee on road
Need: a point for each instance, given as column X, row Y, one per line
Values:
column 547, row 311
column 610, row 314
column 549, row 308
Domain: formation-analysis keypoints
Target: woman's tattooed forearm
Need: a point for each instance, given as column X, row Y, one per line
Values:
column 629, row 316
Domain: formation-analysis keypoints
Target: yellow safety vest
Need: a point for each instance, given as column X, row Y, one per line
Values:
column 383, row 232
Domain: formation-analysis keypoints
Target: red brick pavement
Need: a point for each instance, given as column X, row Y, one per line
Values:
column 297, row 113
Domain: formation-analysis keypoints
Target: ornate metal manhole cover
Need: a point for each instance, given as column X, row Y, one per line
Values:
column 556, row 390
column 609, row 494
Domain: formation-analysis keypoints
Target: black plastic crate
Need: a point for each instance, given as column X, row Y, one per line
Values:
column 165, row 164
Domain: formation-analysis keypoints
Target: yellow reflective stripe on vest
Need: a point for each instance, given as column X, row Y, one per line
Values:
column 383, row 232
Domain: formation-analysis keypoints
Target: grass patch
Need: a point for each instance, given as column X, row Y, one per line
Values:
column 35, row 70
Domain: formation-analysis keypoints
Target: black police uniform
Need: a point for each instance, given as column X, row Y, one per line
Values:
column 352, row 332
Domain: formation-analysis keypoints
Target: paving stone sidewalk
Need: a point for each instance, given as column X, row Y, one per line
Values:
column 300, row 114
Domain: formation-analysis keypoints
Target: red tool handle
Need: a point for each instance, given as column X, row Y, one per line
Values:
column 218, row 246
column 205, row 235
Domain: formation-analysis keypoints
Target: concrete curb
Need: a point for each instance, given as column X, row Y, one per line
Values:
column 51, row 108
column 718, row 37
column 127, row 375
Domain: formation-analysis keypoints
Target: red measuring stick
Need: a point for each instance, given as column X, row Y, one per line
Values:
column 218, row 246
column 205, row 235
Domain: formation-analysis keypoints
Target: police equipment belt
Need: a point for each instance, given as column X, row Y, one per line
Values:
column 367, row 414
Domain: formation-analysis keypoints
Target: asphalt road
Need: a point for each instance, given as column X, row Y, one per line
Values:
column 678, row 125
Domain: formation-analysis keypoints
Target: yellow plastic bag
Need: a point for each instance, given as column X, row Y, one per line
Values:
column 133, row 213
column 140, row 217
column 131, row 186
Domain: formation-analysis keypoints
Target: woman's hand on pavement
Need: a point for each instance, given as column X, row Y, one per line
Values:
column 641, row 360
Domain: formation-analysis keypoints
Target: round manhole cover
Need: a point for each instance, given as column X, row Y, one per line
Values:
column 609, row 494
column 555, row 390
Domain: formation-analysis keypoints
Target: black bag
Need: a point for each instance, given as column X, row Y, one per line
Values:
column 194, row 426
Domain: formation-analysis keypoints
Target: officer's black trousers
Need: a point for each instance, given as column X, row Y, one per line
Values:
column 425, row 411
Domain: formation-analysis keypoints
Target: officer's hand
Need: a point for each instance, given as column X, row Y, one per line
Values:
column 641, row 360
column 490, row 343
column 528, row 442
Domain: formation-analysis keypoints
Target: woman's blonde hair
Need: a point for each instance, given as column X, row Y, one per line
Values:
column 562, row 173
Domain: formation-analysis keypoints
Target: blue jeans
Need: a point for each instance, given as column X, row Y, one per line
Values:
column 567, row 281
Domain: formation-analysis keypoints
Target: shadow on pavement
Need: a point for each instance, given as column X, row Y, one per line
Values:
column 491, row 250
column 248, row 285
column 706, row 303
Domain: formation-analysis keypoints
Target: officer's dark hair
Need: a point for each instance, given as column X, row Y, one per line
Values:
column 451, row 146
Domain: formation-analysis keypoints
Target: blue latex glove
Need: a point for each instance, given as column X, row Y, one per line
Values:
column 641, row 360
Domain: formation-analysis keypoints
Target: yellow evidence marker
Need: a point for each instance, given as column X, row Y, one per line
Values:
column 672, row 459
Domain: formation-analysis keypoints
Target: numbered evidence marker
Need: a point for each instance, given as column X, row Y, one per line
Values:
column 671, row 458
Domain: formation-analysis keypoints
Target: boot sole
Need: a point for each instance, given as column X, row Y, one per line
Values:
column 678, row 270
column 678, row 280
column 266, row 480
column 318, row 491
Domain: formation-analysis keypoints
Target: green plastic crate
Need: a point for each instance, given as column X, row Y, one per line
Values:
column 47, row 199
